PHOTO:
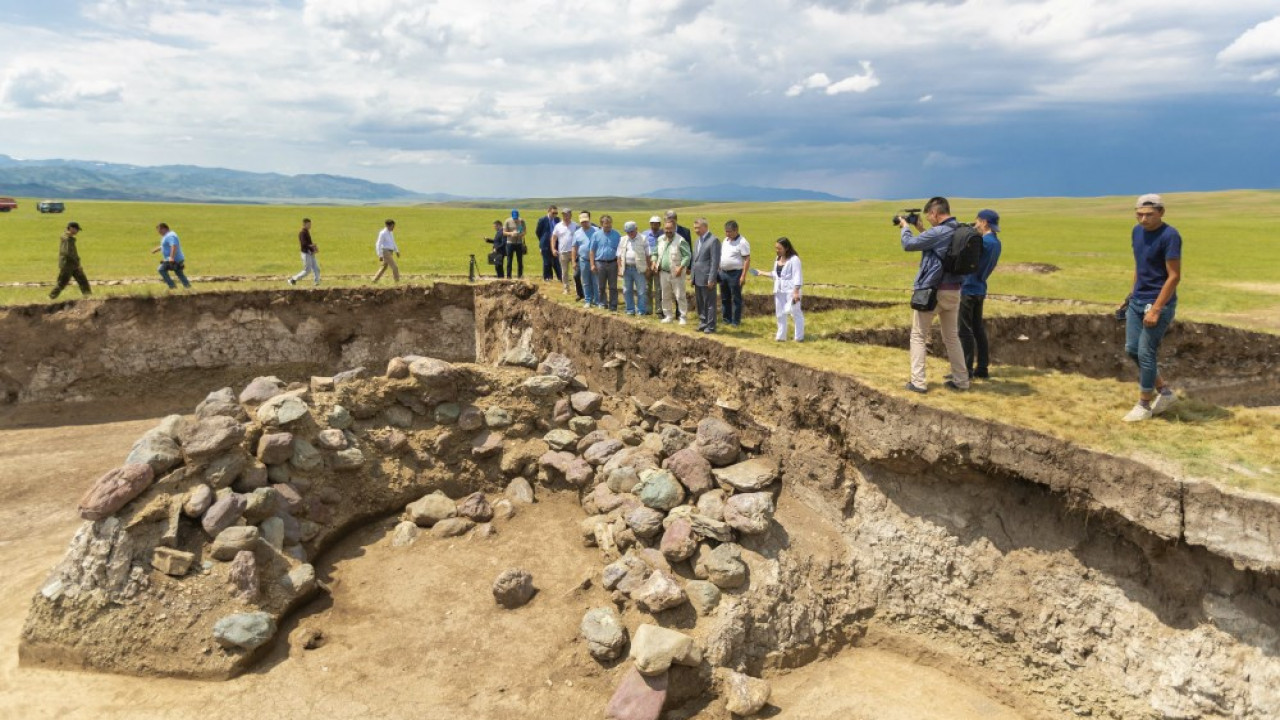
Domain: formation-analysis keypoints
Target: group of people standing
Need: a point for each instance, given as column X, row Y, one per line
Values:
column 591, row 261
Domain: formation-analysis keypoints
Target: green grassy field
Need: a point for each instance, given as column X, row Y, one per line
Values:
column 1231, row 275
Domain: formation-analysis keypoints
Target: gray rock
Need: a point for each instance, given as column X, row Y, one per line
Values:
column 292, row 529
column 233, row 540
column 561, row 439
column 581, row 424
column 321, row 384
column 301, row 580
column 221, row 402
column 520, row 491
column 579, row 473
column 748, row 476
column 246, row 631
column 255, row 475
column 711, row 504
column 272, row 531
column 704, row 596
column 157, row 449
column 710, row 529
column 721, row 565
column 307, row 530
column 398, row 416
column 282, row 410
column 744, row 695
column 599, row 453
column 678, row 541
column 718, row 441
column 243, row 575
column 276, row 448
column 226, row 468
column 172, row 562
column 590, row 439
column 520, row 356
column 114, row 490
column 475, row 507
column 674, row 440
column 504, row 509
column 654, row 649
column 563, row 411
column 330, row 439
column 261, row 389
column 348, row 375
column 397, row 368
column 447, row 413
column 470, row 419
column 645, row 522
column 557, row 365
column 350, row 459
column 622, row 479
column 631, row 436
column 691, row 469
column 260, row 505
column 659, row 490
column 660, row 591
column 497, row 417
column 487, row 444
column 211, row 436
column 668, row 410
column 749, row 513
column 404, row 534
column 586, row 402
column 544, row 385
column 626, row 573
column 638, row 697
column 452, row 527
column 606, row 500
column 288, row 497
column 431, row 509
column 602, row 629
column 392, row 440
column 339, row 418
column 513, row 588
column 305, row 456
column 197, row 500
column 223, row 513
column 556, row 461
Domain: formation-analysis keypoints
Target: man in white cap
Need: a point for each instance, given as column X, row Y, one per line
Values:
column 1157, row 255
column 651, row 273
column 634, row 266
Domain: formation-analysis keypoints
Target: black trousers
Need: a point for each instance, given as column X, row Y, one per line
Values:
column 515, row 252
column 973, row 335
column 550, row 263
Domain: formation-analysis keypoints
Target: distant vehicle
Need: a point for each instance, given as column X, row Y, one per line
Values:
column 7, row 204
column 50, row 206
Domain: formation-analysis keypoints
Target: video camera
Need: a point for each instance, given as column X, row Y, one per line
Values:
column 912, row 217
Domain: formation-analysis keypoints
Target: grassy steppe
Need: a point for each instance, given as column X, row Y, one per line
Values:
column 1231, row 275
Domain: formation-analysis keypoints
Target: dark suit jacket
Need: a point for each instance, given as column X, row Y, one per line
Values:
column 543, row 231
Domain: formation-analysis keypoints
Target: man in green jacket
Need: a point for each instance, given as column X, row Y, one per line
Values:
column 674, row 256
column 69, row 263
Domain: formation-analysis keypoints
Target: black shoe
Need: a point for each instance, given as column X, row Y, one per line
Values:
column 292, row 281
column 951, row 385
column 981, row 374
column 916, row 389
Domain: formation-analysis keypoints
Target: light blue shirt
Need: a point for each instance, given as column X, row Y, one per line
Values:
column 652, row 238
column 170, row 249
column 605, row 245
column 582, row 241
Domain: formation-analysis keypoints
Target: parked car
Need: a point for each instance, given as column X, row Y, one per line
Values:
column 50, row 206
column 7, row 204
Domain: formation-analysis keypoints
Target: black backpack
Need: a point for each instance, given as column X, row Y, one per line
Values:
column 964, row 252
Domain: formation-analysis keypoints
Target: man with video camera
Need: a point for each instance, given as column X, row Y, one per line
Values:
column 935, row 291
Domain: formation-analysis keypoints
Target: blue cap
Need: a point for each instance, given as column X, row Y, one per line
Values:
column 515, row 213
column 992, row 217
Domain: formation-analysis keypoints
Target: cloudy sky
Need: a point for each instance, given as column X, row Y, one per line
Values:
column 861, row 98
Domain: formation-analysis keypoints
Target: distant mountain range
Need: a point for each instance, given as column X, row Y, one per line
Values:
column 88, row 180
column 744, row 193
column 78, row 179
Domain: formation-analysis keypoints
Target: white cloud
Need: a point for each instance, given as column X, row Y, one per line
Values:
column 856, row 83
column 1258, row 45
column 814, row 81
column 1266, row 75
column 925, row 98
column 34, row 87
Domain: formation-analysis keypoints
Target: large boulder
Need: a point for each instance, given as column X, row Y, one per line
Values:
column 245, row 631
column 692, row 469
column 748, row 476
column 668, row 410
column 659, row 490
column 586, row 402
column 721, row 565
column 638, row 697
column 282, row 410
column 276, row 448
column 221, row 402
column 602, row 629
column 600, row 452
column 558, row 365
column 437, row 377
column 718, row 441
column 114, row 490
column 660, row 591
column 431, row 509
column 544, row 385
column 749, row 513
column 261, row 389
column 678, row 541
column 475, row 507
column 513, row 588
column 223, row 513
column 655, row 648
column 745, row 695
column 212, row 435
column 158, row 449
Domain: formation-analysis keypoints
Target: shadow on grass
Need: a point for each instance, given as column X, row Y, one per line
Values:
column 1196, row 412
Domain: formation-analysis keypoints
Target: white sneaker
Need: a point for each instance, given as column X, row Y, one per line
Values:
column 666, row 319
column 1138, row 414
column 1163, row 402
column 682, row 322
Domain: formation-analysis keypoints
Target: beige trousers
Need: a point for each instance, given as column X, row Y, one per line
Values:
column 388, row 261
column 948, row 312
column 673, row 290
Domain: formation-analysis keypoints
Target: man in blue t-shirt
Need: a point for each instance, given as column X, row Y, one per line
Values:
column 973, row 293
column 1157, row 255
column 172, row 259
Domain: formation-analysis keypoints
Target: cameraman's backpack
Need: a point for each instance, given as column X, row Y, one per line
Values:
column 965, row 251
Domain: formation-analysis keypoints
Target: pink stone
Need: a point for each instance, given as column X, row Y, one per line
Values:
column 638, row 697
column 114, row 490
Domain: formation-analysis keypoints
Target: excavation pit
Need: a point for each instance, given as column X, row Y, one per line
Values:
column 1062, row 581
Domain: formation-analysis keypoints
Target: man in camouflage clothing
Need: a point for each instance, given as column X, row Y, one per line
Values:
column 69, row 263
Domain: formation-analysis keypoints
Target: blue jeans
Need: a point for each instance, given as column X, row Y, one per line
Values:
column 731, row 295
column 176, row 268
column 1142, row 342
column 588, row 281
column 633, row 290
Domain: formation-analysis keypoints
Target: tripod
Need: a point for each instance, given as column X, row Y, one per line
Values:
column 472, row 271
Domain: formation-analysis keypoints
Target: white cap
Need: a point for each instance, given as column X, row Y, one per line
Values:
column 1150, row 200
column 655, row 219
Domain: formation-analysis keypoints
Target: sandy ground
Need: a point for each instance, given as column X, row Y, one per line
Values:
column 409, row 632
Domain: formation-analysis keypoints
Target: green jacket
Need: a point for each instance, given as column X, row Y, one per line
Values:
column 67, row 253
column 664, row 253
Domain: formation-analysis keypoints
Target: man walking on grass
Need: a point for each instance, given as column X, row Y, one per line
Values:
column 387, row 251
column 69, row 264
column 1157, row 256
column 309, row 250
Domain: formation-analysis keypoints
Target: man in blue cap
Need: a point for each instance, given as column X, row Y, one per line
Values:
column 973, row 333
column 513, row 230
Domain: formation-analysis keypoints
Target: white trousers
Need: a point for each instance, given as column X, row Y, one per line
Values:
column 780, row 311
column 673, row 290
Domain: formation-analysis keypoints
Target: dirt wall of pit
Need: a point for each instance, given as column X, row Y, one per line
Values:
column 168, row 352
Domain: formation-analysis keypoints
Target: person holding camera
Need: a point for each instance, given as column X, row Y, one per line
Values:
column 1157, row 255
column 499, row 243
column 172, row 258
column 935, row 292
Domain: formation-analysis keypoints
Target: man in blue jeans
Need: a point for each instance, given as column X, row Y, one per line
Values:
column 1157, row 255
column 735, row 263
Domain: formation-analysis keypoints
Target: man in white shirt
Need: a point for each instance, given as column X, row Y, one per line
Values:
column 387, row 252
column 735, row 261
column 562, row 248
column 651, row 274
column 634, row 256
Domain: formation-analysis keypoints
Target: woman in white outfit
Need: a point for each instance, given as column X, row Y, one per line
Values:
column 787, row 280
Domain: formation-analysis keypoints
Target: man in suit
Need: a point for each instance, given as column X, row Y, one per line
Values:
column 705, row 272
column 546, row 224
